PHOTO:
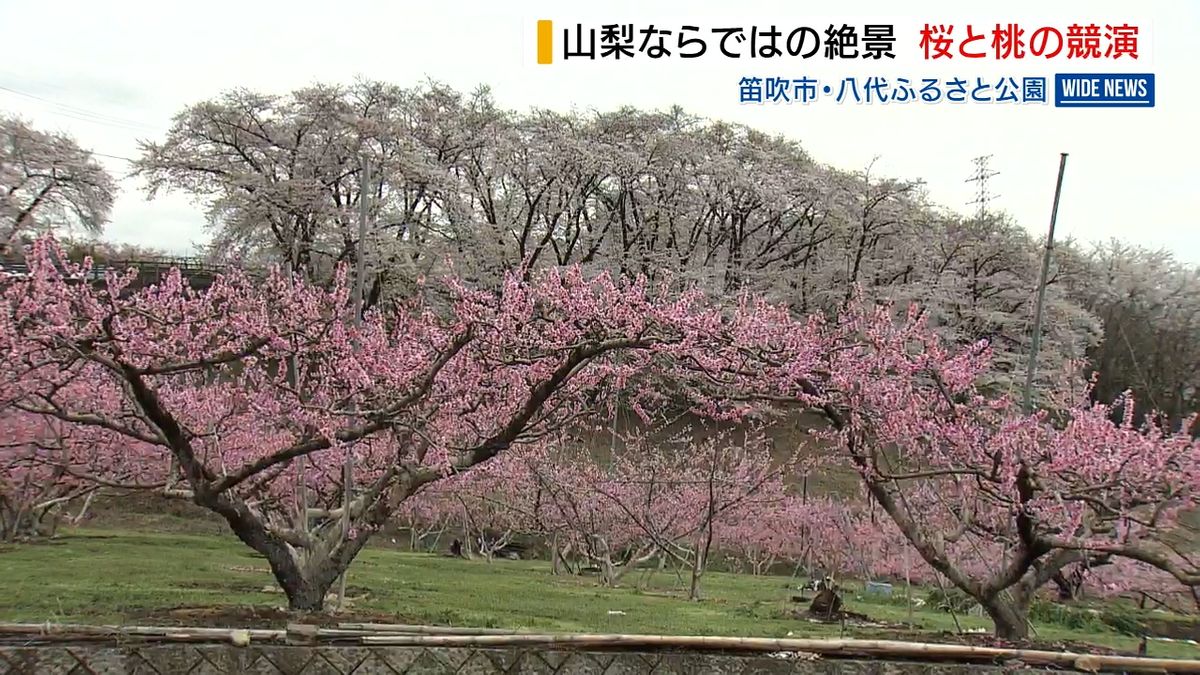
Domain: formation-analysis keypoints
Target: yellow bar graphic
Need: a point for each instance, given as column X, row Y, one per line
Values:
column 545, row 39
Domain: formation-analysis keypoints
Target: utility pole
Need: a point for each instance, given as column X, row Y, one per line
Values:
column 302, row 465
column 1041, row 298
column 359, row 300
column 361, row 266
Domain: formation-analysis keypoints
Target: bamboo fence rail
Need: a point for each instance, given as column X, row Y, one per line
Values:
column 407, row 635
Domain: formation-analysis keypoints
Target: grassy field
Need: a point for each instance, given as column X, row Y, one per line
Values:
column 111, row 576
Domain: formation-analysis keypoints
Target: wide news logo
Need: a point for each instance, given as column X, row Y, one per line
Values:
column 1094, row 90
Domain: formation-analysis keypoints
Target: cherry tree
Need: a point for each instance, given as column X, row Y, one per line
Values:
column 49, row 183
column 976, row 280
column 1148, row 303
column 282, row 175
column 460, row 183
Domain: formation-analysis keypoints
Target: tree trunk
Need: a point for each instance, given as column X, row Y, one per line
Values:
column 697, row 572
column 78, row 518
column 305, row 595
column 1069, row 584
column 608, row 572
column 305, row 577
column 50, row 520
column 1011, row 617
column 305, row 585
column 700, row 562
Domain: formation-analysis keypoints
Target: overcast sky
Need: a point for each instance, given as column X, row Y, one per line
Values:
column 112, row 73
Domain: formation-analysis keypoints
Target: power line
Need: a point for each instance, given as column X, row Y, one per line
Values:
column 123, row 159
column 45, row 144
column 83, row 114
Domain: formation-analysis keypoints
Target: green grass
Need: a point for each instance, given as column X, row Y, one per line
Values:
column 115, row 576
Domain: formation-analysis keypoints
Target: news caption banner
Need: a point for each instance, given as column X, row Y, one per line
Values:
column 1073, row 43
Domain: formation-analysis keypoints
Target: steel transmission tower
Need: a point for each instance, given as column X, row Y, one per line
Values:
column 980, row 177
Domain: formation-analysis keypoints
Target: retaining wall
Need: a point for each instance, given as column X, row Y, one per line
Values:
column 198, row 659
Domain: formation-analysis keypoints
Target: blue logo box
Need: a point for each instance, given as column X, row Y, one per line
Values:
column 1104, row 90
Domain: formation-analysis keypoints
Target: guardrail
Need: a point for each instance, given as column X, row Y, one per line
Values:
column 148, row 268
